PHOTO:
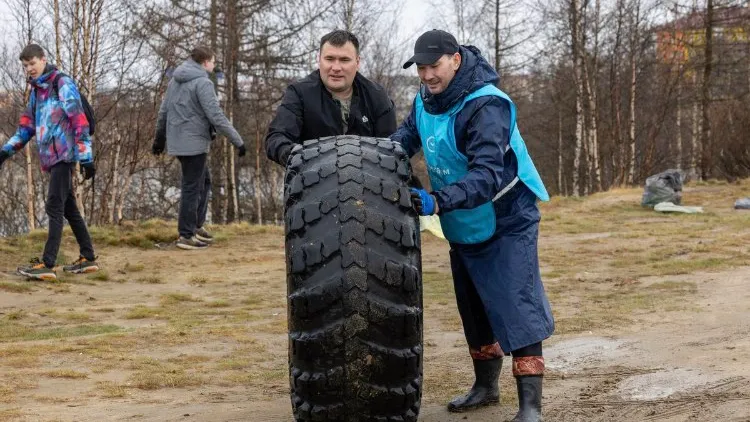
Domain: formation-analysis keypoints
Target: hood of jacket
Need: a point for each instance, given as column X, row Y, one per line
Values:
column 473, row 74
column 43, row 81
column 188, row 71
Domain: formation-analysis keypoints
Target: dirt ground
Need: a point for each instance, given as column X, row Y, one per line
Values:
column 652, row 316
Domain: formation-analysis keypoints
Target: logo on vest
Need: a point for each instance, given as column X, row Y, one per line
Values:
column 430, row 144
column 365, row 119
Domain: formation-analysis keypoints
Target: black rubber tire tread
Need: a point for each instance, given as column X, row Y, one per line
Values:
column 354, row 282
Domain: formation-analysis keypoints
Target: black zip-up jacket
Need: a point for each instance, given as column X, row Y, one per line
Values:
column 309, row 111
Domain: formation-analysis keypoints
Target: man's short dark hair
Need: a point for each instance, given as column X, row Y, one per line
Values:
column 338, row 38
column 32, row 51
column 201, row 54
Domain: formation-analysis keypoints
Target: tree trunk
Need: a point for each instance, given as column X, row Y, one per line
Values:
column 678, row 119
column 349, row 15
column 497, row 36
column 30, row 186
column 225, row 163
column 76, row 38
column 58, row 50
column 212, row 34
column 633, row 82
column 217, row 151
column 86, row 27
column 559, row 153
column 695, row 133
column 256, row 178
column 594, row 107
column 575, row 21
column 706, row 156
column 231, row 93
column 115, row 177
column 123, row 194
column 618, row 150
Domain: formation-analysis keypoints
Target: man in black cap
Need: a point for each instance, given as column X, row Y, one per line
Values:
column 333, row 100
column 485, row 189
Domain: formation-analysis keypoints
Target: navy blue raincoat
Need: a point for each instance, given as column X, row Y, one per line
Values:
column 503, row 271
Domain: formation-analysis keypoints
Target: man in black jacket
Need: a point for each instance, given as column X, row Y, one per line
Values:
column 333, row 100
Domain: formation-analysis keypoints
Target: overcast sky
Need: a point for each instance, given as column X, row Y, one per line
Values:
column 413, row 20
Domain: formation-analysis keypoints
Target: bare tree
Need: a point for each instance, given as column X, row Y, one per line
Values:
column 28, row 20
column 577, row 46
column 706, row 158
column 634, row 44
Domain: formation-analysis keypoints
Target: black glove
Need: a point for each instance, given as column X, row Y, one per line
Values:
column 242, row 151
column 287, row 152
column 156, row 149
column 3, row 156
column 284, row 155
column 88, row 170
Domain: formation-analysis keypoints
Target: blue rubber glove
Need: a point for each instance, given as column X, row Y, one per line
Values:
column 422, row 201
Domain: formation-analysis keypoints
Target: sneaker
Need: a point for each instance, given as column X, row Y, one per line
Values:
column 203, row 235
column 37, row 271
column 81, row 266
column 191, row 244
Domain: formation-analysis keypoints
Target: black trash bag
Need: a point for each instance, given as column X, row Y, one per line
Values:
column 742, row 204
column 664, row 187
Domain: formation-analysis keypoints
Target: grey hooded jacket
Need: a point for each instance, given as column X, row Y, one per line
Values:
column 188, row 110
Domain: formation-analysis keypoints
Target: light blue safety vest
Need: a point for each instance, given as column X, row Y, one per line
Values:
column 446, row 165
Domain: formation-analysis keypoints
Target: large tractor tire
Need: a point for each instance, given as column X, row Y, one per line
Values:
column 354, row 282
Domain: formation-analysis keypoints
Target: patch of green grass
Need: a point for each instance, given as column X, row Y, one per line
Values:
column 151, row 280
column 438, row 287
column 618, row 306
column 164, row 376
column 175, row 298
column 254, row 302
column 133, row 268
column 140, row 312
column 109, row 310
column 688, row 266
column 235, row 364
column 77, row 316
column 144, row 235
column 198, row 279
column 15, row 287
column 24, row 357
column 38, row 235
column 111, row 390
column 674, row 286
column 101, row 275
column 9, row 414
column 189, row 359
column 11, row 331
column 15, row 315
column 218, row 304
column 66, row 373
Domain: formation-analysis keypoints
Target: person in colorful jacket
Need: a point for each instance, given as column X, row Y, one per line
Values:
column 56, row 117
column 485, row 190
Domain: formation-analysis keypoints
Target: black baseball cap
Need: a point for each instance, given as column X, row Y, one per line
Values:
column 431, row 46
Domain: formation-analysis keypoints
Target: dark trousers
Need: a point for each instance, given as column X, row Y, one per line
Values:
column 477, row 327
column 196, row 185
column 61, row 202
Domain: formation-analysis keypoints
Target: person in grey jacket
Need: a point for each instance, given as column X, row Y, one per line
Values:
column 188, row 113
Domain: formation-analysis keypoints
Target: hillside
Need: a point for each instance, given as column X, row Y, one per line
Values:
column 651, row 315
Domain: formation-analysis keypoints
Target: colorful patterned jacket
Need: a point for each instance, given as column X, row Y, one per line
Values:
column 60, row 125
